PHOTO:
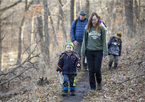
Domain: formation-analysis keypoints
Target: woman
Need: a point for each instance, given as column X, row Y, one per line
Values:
column 95, row 47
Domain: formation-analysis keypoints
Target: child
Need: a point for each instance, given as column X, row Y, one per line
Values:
column 68, row 61
column 114, row 49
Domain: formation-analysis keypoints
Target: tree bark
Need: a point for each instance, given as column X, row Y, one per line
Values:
column 46, row 33
column 53, row 30
column 129, row 16
column 21, row 36
column 87, row 8
column 62, row 23
column 136, row 10
column 0, row 45
column 72, row 11
column 58, row 22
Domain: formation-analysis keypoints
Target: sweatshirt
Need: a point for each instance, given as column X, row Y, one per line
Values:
column 92, row 41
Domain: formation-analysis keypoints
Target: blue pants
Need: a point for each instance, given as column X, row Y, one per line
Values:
column 94, row 59
column 69, row 79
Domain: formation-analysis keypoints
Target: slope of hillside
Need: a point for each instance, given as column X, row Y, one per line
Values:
column 127, row 83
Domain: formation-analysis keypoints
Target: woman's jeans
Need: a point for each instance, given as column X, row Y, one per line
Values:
column 94, row 59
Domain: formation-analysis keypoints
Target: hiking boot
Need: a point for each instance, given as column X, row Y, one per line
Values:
column 92, row 90
column 64, row 93
column 115, row 65
column 99, row 86
column 110, row 64
column 72, row 93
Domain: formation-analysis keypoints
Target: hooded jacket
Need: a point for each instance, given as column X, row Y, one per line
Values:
column 114, row 47
column 67, row 63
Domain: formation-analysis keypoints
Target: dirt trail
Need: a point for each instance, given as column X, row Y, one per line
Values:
column 81, row 88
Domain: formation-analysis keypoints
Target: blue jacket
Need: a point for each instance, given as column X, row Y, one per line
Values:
column 114, row 48
column 77, row 31
column 67, row 63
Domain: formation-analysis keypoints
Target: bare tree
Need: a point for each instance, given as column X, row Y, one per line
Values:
column 46, row 33
column 129, row 16
column 136, row 10
column 0, row 40
column 62, row 21
column 58, row 21
column 72, row 11
column 52, row 26
column 86, row 8
column 2, row 10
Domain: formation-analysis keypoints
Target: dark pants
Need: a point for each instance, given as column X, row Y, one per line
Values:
column 69, row 79
column 94, row 59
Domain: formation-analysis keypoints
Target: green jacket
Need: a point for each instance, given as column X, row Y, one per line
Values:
column 94, row 42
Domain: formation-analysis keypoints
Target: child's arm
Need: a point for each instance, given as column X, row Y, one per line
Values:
column 120, row 48
column 60, row 63
column 78, row 60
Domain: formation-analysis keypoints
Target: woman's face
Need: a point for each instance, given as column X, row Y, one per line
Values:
column 94, row 20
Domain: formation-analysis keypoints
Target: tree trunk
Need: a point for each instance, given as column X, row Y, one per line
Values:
column 136, row 10
column 87, row 8
column 110, row 11
column 46, row 34
column 129, row 16
column 53, row 30
column 62, row 23
column 57, row 28
column 72, row 11
column 32, row 36
column 0, row 44
column 21, row 36
column 41, row 35
column 20, row 41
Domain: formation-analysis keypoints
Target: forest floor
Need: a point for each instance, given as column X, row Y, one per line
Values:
column 126, row 83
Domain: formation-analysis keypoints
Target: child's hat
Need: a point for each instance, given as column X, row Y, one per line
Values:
column 69, row 43
column 118, row 35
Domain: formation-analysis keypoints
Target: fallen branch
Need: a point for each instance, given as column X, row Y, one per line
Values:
column 131, row 78
column 21, row 90
column 13, row 69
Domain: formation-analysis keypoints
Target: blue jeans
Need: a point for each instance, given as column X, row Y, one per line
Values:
column 94, row 59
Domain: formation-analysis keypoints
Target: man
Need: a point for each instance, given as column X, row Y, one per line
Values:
column 77, row 34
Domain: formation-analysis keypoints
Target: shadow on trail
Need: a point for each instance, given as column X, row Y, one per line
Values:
column 82, row 87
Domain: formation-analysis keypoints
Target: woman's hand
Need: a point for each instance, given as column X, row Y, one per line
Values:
column 104, row 58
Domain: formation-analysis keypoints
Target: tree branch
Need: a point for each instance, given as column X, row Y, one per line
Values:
column 131, row 78
column 6, row 8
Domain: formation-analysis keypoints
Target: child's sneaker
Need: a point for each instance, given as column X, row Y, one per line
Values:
column 64, row 93
column 72, row 93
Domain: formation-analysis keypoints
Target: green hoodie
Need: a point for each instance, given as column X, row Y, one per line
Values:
column 94, row 41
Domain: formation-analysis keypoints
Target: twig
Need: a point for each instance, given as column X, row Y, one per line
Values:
column 16, row 92
column 15, row 76
column 131, row 78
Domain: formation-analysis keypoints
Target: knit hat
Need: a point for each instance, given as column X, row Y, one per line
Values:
column 118, row 35
column 69, row 43
column 83, row 13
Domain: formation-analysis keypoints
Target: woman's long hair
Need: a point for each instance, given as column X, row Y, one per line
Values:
column 89, row 24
